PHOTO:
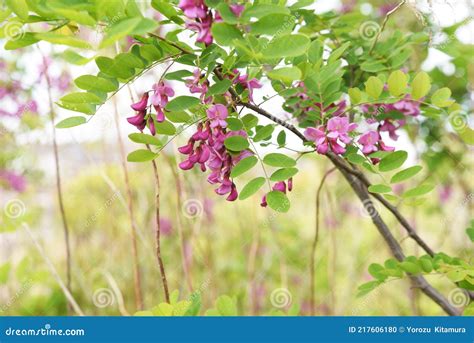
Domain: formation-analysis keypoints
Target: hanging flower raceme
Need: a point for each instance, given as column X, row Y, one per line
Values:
column 196, row 85
column 206, row 148
column 159, row 99
column 333, row 135
column 243, row 80
column 201, row 19
column 406, row 106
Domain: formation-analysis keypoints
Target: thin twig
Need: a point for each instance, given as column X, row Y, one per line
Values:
column 158, row 230
column 385, row 23
column 52, row 116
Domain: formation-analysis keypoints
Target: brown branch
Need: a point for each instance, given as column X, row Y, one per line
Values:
column 158, row 230
column 133, row 225
column 410, row 230
column 418, row 280
column 67, row 242
column 360, row 189
column 316, row 238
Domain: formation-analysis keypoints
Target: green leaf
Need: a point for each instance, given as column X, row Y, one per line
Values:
column 283, row 174
column 220, row 87
column 367, row 287
column 178, row 75
column 372, row 66
column 287, row 74
column 141, row 155
column 397, row 83
column 278, row 201
column 272, row 24
column 224, row 33
column 441, row 98
column 226, row 306
column 355, row 95
column 94, row 83
column 379, row 189
column 356, row 158
column 181, row 103
column 81, row 98
column 71, row 122
column 251, row 188
column 82, row 108
column 405, row 174
column 263, row 132
column 279, row 160
column 250, row 121
column 376, row 270
column 393, row 161
column 338, row 52
column 287, row 46
column 234, row 124
column 261, row 10
column 281, row 138
column 165, row 128
column 315, row 51
column 419, row 191
column 21, row 41
column 60, row 39
column 374, row 87
column 75, row 58
column 19, row 7
column 410, row 267
column 113, row 68
column 128, row 60
column 125, row 27
column 426, row 264
column 243, row 166
column 143, row 138
column 470, row 233
column 178, row 117
column 236, row 143
column 420, row 86
column 165, row 8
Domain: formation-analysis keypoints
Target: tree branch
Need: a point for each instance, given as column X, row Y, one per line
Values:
column 360, row 188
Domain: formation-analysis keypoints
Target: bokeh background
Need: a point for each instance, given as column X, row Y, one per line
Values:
column 256, row 256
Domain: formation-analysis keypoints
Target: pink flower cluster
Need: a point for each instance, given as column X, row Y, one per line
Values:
column 406, row 106
column 159, row 99
column 13, row 180
column 280, row 187
column 206, row 148
column 200, row 19
column 332, row 135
